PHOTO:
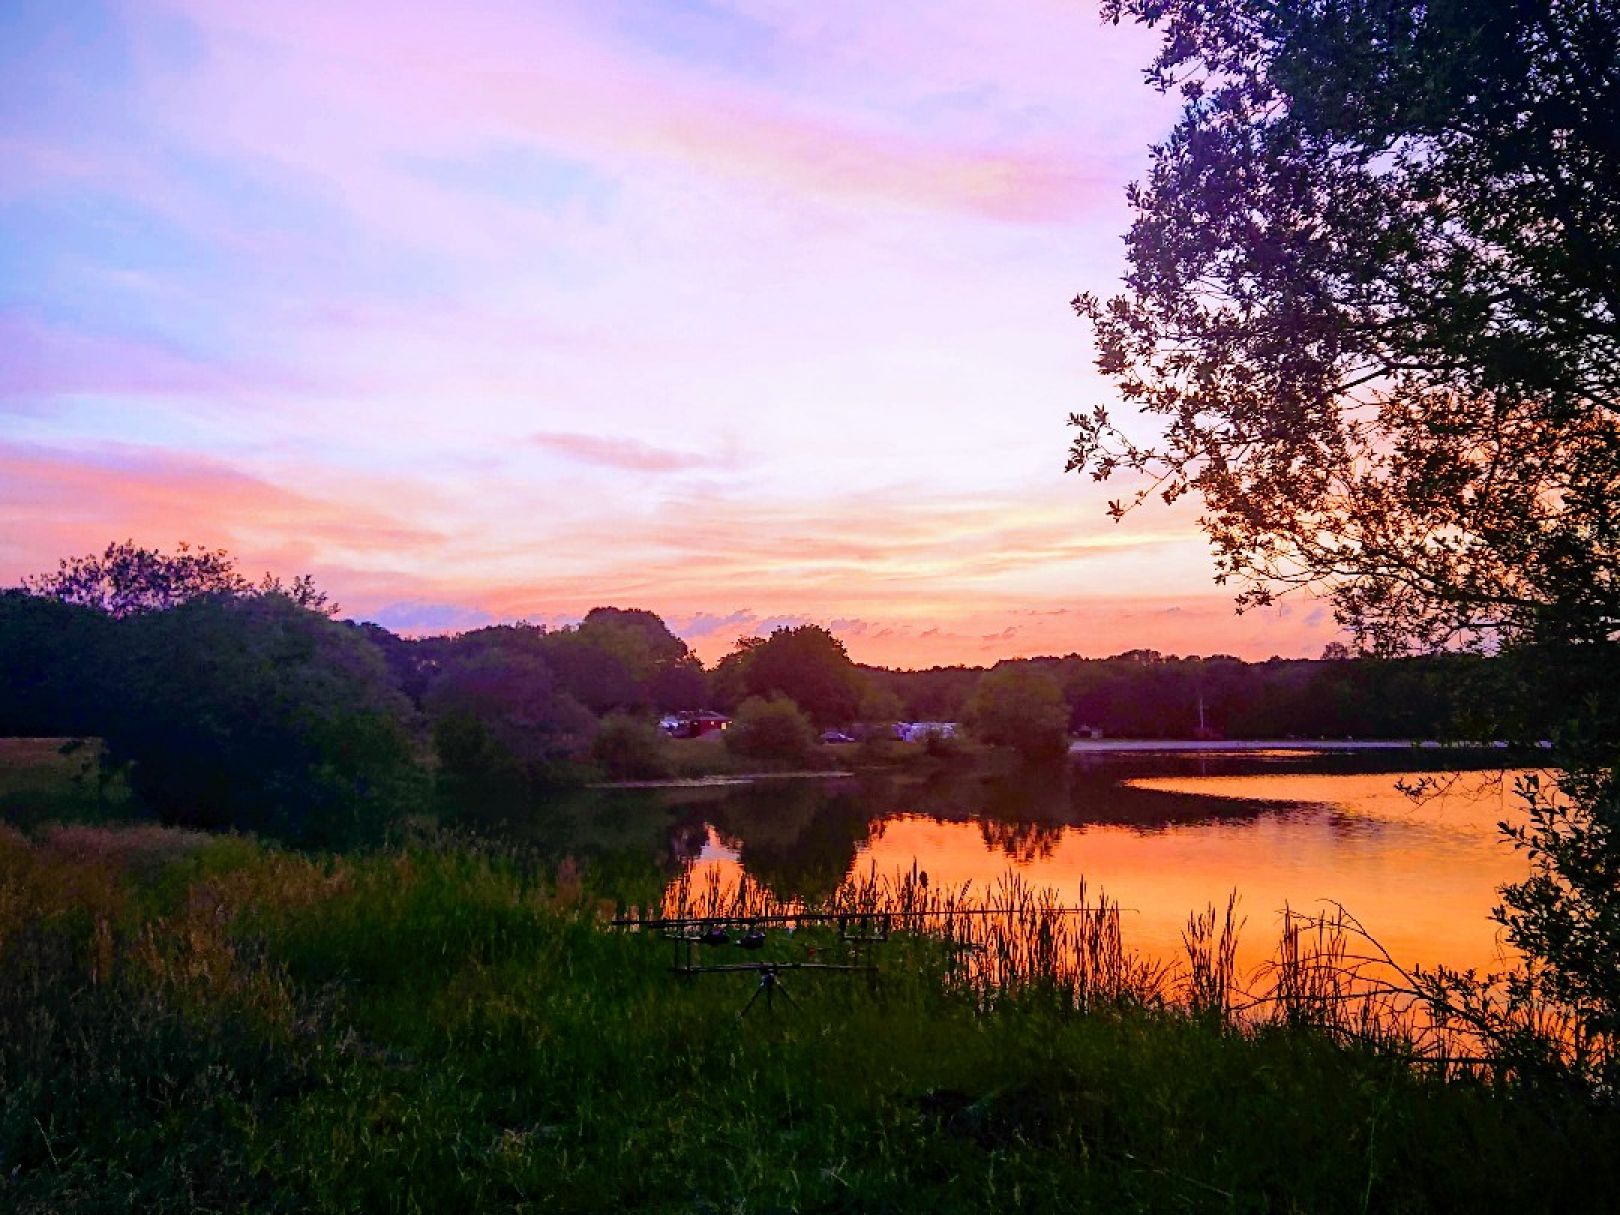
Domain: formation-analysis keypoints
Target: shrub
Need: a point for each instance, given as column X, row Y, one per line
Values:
column 774, row 729
column 1019, row 706
column 630, row 749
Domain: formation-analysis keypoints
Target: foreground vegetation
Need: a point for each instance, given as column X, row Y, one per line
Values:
column 193, row 1022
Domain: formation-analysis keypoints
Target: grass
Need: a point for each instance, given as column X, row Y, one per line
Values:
column 191, row 1023
column 56, row 780
column 708, row 756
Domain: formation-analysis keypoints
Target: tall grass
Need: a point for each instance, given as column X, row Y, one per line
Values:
column 211, row 1024
column 1011, row 938
column 1326, row 974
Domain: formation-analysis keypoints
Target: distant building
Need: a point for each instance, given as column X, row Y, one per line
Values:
column 919, row 731
column 694, row 725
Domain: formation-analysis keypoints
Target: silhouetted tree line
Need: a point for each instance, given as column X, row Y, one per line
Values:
column 1145, row 694
column 246, row 705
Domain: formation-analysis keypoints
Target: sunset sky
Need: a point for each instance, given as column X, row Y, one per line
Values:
column 748, row 312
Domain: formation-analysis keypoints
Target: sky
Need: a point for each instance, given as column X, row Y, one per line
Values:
column 750, row 312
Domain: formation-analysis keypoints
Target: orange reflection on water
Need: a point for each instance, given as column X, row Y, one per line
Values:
column 1421, row 877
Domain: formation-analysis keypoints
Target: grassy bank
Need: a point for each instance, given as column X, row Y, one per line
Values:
column 709, row 756
column 192, row 1022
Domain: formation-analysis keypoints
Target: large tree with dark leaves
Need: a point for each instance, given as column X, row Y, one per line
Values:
column 809, row 666
column 1374, row 293
column 1373, row 306
column 127, row 580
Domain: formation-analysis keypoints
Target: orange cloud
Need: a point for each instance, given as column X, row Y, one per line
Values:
column 60, row 504
column 904, row 580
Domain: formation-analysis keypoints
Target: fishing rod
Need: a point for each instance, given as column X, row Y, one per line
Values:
column 859, row 930
column 828, row 917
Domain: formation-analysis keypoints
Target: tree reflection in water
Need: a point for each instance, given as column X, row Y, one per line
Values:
column 798, row 838
column 1023, row 843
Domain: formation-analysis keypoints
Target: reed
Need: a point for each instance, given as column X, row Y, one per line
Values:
column 1211, row 975
column 1013, row 938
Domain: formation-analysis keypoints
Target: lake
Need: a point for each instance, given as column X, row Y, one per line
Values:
column 1164, row 832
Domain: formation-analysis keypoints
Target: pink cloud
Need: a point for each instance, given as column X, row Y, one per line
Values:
column 710, row 624
column 62, row 503
column 904, row 581
column 629, row 455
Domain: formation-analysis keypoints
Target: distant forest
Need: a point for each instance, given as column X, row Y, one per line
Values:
column 628, row 661
column 1138, row 694
column 1146, row 694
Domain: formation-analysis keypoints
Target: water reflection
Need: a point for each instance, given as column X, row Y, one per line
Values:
column 800, row 838
column 1165, row 834
column 1165, row 839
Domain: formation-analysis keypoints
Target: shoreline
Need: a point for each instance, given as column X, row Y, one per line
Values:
column 728, row 778
column 1102, row 745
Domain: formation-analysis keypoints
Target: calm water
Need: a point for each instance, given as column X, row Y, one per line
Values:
column 1164, row 834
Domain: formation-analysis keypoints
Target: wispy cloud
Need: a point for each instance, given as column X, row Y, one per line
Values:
column 753, row 315
column 40, row 361
column 61, row 502
column 630, row 455
column 707, row 625
column 564, row 81
column 416, row 617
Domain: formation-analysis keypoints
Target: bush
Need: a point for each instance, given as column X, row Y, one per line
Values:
column 630, row 749
column 503, row 730
column 259, row 714
column 774, row 729
column 1021, row 707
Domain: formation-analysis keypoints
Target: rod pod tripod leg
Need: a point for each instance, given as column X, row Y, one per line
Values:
column 770, row 985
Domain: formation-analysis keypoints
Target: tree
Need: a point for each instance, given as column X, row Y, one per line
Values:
column 597, row 678
column 502, row 722
column 1019, row 705
column 1375, row 295
column 258, row 714
column 53, row 659
column 728, row 681
column 126, row 580
column 1374, row 301
column 680, row 686
column 880, row 707
column 638, row 638
column 810, row 667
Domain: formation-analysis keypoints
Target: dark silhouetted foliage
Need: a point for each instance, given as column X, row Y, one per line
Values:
column 502, row 724
column 774, row 729
column 1019, row 705
column 127, row 579
column 257, row 714
column 806, row 664
column 53, row 658
column 1374, row 297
